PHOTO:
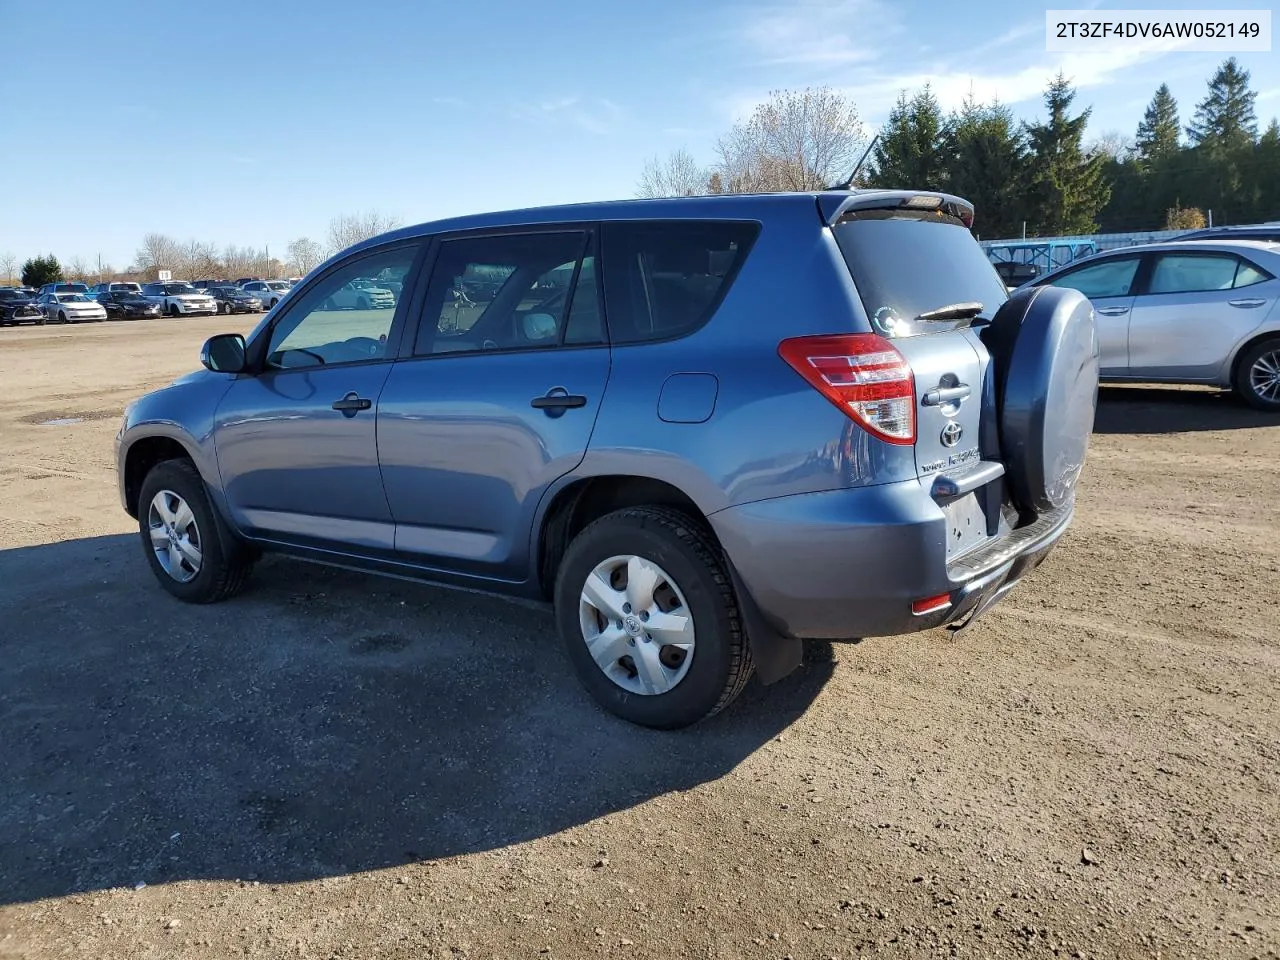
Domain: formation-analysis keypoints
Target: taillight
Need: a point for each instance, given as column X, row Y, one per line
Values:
column 863, row 375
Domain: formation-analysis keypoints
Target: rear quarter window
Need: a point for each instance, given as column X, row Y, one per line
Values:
column 664, row 279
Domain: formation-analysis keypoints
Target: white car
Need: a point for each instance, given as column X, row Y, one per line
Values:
column 70, row 307
column 361, row 295
column 270, row 292
column 180, row 299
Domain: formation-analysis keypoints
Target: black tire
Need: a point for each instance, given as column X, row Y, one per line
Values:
column 62, row 317
column 41, row 322
column 224, row 308
column 174, row 311
column 225, row 563
column 684, row 547
column 363, row 303
column 1242, row 383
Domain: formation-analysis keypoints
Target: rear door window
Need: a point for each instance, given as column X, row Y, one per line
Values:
column 1192, row 273
column 507, row 292
column 905, row 265
column 665, row 279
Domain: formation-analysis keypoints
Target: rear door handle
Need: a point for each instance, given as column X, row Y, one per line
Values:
column 558, row 399
column 1113, row 311
column 352, row 404
column 940, row 395
column 1248, row 302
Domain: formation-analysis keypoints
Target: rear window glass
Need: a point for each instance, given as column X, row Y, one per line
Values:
column 665, row 279
column 904, row 266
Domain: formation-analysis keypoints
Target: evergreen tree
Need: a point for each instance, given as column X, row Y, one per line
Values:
column 1225, row 117
column 1263, row 177
column 1067, row 190
column 1158, row 132
column 38, row 271
column 987, row 166
column 911, row 151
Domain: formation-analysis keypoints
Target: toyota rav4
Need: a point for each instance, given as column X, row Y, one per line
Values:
column 702, row 430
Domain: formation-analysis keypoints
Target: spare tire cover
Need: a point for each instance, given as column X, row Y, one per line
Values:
column 1044, row 346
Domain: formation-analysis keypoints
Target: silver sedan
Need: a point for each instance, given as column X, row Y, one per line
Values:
column 1186, row 312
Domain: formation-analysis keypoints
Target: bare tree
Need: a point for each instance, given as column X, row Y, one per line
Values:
column 9, row 267
column 159, row 252
column 200, row 260
column 76, row 269
column 679, row 175
column 1113, row 144
column 349, row 229
column 796, row 140
column 241, row 262
column 304, row 255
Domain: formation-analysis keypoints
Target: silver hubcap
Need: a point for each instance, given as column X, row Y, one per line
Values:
column 175, row 538
column 637, row 625
column 1264, row 376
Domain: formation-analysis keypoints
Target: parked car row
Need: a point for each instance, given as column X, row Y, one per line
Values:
column 69, row 302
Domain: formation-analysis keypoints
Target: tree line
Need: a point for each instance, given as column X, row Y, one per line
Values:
column 1042, row 178
column 198, row 260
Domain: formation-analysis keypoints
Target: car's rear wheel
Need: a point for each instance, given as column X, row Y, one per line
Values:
column 189, row 548
column 1257, row 380
column 649, row 618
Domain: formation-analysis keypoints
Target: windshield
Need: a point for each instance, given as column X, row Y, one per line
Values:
column 11, row 295
column 71, row 288
column 72, row 298
column 905, row 266
column 176, row 288
column 278, row 286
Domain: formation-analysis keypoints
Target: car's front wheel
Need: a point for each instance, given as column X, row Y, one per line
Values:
column 1257, row 380
column 189, row 548
column 649, row 618
column 174, row 311
column 62, row 317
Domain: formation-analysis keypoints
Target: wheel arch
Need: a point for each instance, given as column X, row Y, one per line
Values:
column 1233, row 368
column 581, row 500
column 141, row 458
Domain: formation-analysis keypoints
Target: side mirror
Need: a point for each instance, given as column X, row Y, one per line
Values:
column 224, row 353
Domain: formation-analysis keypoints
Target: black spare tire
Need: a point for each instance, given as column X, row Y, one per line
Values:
column 1044, row 346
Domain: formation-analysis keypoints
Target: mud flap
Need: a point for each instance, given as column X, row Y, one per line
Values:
column 775, row 656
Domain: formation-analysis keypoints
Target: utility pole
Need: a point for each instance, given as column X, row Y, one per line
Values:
column 266, row 270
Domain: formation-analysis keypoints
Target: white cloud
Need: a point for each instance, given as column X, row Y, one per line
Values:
column 821, row 33
column 592, row 115
column 805, row 42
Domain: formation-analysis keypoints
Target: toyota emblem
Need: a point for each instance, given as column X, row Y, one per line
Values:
column 951, row 433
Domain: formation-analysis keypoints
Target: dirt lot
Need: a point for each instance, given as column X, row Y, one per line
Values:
column 338, row 766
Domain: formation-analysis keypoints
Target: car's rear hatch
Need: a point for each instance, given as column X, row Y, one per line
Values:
column 925, row 282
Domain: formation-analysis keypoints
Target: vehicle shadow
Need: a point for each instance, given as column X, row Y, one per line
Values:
column 1152, row 410
column 323, row 723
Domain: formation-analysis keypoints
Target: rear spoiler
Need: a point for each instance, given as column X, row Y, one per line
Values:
column 835, row 204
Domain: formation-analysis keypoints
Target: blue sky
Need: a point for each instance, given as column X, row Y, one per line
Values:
column 255, row 123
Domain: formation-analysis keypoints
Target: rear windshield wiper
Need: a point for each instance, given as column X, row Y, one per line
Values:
column 953, row 311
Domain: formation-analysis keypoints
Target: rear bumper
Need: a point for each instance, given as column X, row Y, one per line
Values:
column 850, row 563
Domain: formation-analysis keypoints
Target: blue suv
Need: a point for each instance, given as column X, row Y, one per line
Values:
column 703, row 429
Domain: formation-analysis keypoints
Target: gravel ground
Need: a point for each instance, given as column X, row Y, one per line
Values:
column 338, row 766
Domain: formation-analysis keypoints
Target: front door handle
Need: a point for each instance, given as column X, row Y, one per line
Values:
column 1113, row 311
column 1248, row 302
column 352, row 404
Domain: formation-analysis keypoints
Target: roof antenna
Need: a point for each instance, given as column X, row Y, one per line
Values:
column 848, row 184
